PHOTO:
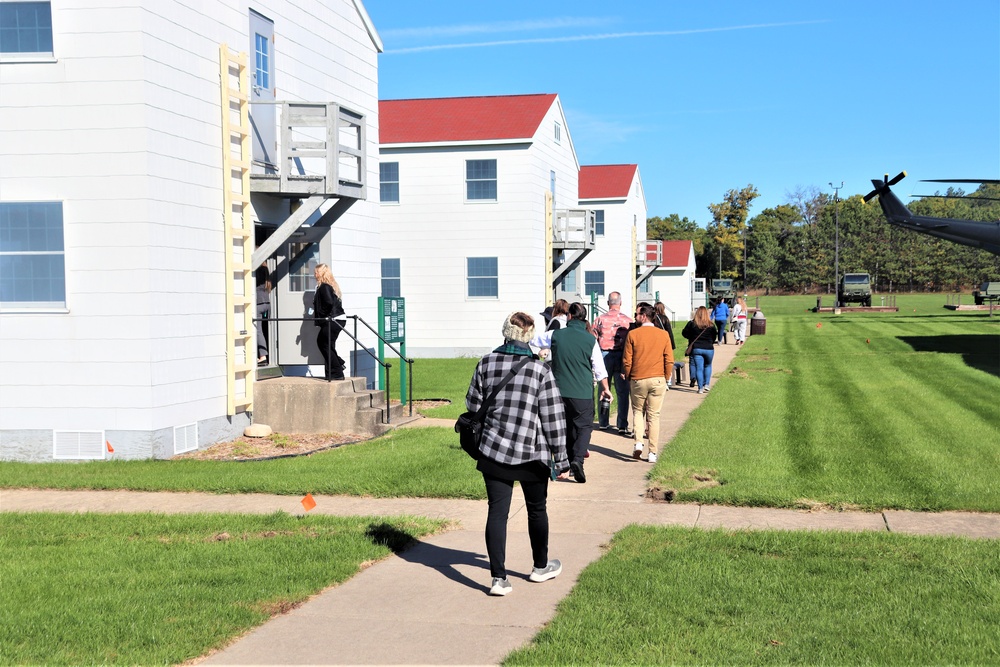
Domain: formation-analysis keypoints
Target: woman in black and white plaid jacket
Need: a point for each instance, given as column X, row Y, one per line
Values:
column 523, row 440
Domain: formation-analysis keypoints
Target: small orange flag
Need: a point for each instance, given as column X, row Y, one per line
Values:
column 308, row 502
column 110, row 448
column 819, row 324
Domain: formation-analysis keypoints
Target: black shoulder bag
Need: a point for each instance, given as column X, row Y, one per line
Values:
column 470, row 424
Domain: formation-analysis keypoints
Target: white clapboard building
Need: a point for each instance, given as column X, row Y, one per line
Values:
column 480, row 213
column 153, row 156
column 674, row 282
column 614, row 192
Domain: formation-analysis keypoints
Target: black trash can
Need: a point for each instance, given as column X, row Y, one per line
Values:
column 758, row 324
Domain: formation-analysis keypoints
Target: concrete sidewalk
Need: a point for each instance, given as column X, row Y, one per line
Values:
column 429, row 605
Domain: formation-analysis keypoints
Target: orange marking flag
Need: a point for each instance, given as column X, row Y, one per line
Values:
column 308, row 502
column 110, row 448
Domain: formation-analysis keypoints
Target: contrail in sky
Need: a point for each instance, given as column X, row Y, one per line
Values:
column 583, row 38
column 506, row 26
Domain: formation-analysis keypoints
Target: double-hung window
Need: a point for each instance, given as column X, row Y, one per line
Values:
column 391, row 284
column 482, row 277
column 599, row 222
column 481, row 180
column 593, row 281
column 32, row 255
column 388, row 182
column 25, row 29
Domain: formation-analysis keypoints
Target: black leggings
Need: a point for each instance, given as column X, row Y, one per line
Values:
column 327, row 340
column 499, row 493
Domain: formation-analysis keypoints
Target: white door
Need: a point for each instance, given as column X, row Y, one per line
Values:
column 698, row 296
column 294, row 290
column 263, row 112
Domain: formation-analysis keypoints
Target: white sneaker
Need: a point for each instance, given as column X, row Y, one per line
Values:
column 652, row 457
column 701, row 391
column 637, row 451
column 500, row 586
column 550, row 571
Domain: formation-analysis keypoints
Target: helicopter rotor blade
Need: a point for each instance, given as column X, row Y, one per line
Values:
column 960, row 180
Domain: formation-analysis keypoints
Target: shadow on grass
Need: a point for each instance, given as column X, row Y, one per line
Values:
column 439, row 558
column 981, row 352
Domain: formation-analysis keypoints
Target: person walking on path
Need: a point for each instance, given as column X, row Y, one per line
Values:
column 647, row 361
column 576, row 363
column 523, row 440
column 740, row 320
column 721, row 316
column 605, row 328
column 327, row 304
column 700, row 333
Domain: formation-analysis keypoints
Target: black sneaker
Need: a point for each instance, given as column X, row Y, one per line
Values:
column 577, row 470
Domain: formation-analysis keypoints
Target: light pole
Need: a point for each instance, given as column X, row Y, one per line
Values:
column 836, row 242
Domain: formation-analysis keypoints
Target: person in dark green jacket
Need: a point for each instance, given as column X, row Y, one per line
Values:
column 576, row 363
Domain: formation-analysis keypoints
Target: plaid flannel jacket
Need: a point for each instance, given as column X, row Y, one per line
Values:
column 527, row 419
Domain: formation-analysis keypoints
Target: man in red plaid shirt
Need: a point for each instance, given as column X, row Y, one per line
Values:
column 605, row 328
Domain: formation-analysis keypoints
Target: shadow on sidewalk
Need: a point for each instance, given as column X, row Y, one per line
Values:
column 439, row 558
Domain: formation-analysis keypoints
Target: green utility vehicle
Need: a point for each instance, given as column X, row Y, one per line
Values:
column 855, row 288
column 988, row 291
column 723, row 288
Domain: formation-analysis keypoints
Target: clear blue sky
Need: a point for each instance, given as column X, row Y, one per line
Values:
column 710, row 96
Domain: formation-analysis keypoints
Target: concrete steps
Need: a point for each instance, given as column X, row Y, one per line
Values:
column 311, row 405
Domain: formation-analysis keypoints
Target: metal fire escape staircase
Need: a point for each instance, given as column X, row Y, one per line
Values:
column 321, row 158
column 574, row 233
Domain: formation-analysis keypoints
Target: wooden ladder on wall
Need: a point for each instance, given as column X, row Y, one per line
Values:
column 241, row 357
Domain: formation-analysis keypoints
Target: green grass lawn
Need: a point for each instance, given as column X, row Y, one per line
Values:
column 891, row 410
column 409, row 462
column 147, row 588
column 683, row 596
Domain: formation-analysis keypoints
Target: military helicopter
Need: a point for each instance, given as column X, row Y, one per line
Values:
column 984, row 235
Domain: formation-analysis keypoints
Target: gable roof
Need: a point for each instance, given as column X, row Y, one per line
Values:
column 462, row 119
column 369, row 26
column 677, row 253
column 606, row 181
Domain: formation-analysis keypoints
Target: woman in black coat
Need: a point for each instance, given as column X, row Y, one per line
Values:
column 327, row 304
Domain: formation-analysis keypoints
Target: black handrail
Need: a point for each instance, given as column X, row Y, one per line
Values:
column 409, row 362
column 384, row 364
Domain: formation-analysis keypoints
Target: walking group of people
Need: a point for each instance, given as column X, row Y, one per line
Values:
column 539, row 427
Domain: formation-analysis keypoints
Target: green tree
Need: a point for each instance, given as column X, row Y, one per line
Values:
column 764, row 236
column 729, row 221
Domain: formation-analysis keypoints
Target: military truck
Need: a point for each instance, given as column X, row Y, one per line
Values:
column 988, row 291
column 855, row 288
column 723, row 288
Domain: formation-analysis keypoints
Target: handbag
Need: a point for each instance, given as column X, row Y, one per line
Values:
column 690, row 347
column 470, row 424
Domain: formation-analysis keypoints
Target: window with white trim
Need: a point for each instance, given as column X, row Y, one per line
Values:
column 599, row 222
column 481, row 180
column 568, row 283
column 262, row 61
column 32, row 255
column 391, row 282
column 26, row 29
column 593, row 281
column 302, row 266
column 388, row 182
column 482, row 276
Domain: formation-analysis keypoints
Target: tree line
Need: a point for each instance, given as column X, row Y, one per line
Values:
column 791, row 248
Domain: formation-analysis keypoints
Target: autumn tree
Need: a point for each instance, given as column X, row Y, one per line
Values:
column 729, row 221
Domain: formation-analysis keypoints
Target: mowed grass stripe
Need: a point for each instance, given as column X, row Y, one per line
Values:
column 850, row 414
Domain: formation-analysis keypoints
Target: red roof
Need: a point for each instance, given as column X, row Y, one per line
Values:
column 453, row 119
column 606, row 181
column 676, row 253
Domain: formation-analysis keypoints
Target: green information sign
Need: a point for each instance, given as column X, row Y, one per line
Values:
column 392, row 311
column 392, row 329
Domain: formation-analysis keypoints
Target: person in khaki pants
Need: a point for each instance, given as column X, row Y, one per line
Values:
column 647, row 362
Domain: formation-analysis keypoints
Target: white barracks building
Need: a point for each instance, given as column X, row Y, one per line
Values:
column 154, row 154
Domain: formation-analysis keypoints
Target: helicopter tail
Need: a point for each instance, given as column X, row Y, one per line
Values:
column 893, row 208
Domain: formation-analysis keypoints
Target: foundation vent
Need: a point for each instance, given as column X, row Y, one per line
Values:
column 185, row 438
column 78, row 444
